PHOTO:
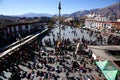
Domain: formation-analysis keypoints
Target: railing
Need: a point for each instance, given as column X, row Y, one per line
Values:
column 19, row 43
column 15, row 43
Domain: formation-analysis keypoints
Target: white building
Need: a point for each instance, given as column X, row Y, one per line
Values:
column 97, row 22
column 118, row 20
column 69, row 19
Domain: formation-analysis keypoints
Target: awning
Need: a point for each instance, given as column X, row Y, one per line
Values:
column 110, row 74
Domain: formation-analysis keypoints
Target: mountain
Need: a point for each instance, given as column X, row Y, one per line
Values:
column 36, row 15
column 8, row 17
column 106, row 11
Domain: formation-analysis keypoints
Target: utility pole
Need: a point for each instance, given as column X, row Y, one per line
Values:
column 59, row 8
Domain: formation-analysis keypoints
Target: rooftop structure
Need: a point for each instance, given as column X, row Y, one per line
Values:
column 101, row 23
column 5, row 25
column 106, row 52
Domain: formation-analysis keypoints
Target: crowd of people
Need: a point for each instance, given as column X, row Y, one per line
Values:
column 53, row 61
column 113, row 40
column 46, row 64
column 10, row 63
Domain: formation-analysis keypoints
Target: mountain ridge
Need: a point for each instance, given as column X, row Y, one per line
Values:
column 113, row 9
column 36, row 15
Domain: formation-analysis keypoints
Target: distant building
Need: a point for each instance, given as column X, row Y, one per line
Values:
column 118, row 20
column 99, row 22
column 11, row 32
column 69, row 19
column 116, row 25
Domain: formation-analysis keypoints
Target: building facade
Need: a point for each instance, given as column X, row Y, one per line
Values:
column 98, row 22
column 13, row 32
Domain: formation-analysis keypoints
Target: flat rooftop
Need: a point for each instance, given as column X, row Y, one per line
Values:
column 106, row 52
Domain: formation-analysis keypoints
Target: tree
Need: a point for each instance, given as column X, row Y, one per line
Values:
column 50, row 24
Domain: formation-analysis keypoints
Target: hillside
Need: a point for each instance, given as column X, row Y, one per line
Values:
column 106, row 11
column 35, row 15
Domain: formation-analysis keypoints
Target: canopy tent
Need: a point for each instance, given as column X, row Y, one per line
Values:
column 101, row 64
column 105, row 65
column 108, row 69
column 110, row 66
column 118, row 75
column 110, row 74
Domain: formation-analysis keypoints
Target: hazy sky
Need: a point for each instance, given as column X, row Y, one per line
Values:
column 18, row 7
